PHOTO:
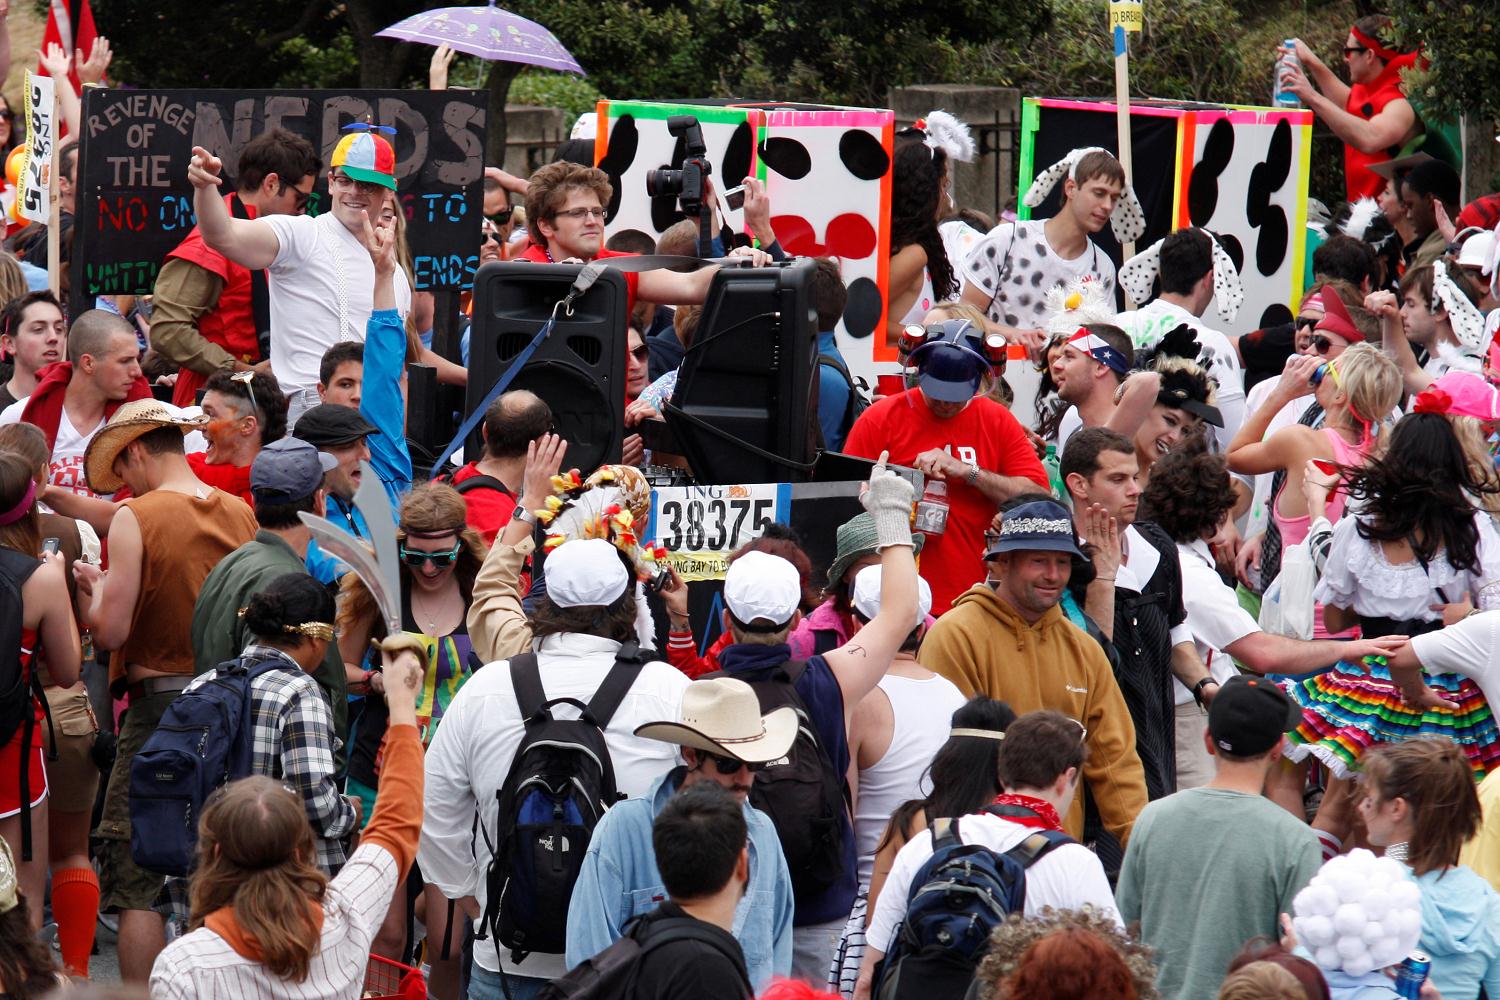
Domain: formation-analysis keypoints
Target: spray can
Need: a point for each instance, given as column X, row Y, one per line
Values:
column 1411, row 974
column 1287, row 59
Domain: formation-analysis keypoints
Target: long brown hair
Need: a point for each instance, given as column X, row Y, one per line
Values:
column 429, row 508
column 256, row 854
column 17, row 475
column 1435, row 779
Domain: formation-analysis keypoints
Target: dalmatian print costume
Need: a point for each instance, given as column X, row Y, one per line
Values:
column 1017, row 267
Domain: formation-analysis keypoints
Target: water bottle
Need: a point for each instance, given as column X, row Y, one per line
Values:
column 1053, row 467
column 932, row 509
column 1287, row 59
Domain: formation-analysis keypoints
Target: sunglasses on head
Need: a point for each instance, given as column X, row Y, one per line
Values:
column 440, row 560
column 731, row 765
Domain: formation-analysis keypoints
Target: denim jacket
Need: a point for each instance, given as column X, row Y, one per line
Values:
column 619, row 881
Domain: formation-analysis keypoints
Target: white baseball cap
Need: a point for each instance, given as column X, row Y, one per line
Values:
column 1477, row 251
column 866, row 597
column 762, row 587
column 584, row 572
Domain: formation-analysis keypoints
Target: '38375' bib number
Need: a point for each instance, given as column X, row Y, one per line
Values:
column 700, row 526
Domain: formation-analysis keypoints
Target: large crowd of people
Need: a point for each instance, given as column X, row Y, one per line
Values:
column 1171, row 680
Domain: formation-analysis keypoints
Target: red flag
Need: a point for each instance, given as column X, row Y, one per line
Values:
column 70, row 23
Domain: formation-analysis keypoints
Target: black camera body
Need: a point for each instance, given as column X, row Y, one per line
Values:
column 687, row 184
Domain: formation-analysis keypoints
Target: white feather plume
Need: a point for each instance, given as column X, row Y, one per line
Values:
column 1065, row 313
column 947, row 133
column 1362, row 215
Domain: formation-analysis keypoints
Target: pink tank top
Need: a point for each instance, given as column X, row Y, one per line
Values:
column 1294, row 530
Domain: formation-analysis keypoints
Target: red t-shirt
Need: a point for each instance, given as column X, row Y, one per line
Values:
column 232, row 479
column 986, row 433
column 488, row 509
column 539, row 255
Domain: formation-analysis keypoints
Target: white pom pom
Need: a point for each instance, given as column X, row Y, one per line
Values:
column 1373, row 932
column 1360, row 965
column 1390, row 870
column 1387, row 951
column 1377, row 903
column 1405, row 894
column 1314, row 931
column 1349, row 920
column 1328, row 957
column 1409, row 928
column 1317, row 900
column 1350, row 947
column 1346, row 880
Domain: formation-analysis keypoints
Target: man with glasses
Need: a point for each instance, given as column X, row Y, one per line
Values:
column 565, row 214
column 1369, row 113
column 725, row 741
column 1009, row 638
column 322, row 277
column 209, row 312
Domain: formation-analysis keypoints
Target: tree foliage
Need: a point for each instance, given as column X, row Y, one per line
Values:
column 1462, row 41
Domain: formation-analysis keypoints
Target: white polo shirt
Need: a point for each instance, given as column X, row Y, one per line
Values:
column 1214, row 615
column 1066, row 878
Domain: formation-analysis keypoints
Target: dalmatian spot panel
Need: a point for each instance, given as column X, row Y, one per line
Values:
column 827, row 172
column 1240, row 172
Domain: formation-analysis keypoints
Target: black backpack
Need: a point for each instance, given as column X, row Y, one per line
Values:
column 561, row 782
column 857, row 403
column 958, row 896
column 480, row 482
column 805, row 797
column 612, row 974
column 17, row 689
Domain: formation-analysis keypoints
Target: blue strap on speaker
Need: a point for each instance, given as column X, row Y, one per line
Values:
column 585, row 280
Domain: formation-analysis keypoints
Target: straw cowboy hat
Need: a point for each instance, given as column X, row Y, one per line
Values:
column 130, row 421
column 722, row 716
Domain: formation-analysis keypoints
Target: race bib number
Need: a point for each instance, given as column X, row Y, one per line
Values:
column 699, row 526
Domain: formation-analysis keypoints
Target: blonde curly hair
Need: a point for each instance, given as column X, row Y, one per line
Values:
column 1010, row 942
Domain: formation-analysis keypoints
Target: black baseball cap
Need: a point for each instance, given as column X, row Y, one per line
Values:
column 329, row 425
column 1249, row 714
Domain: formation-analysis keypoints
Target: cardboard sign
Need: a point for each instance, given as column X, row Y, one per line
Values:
column 36, row 165
column 135, row 204
column 1126, row 14
column 700, row 526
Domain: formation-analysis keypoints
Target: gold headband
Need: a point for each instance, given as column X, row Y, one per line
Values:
column 313, row 630
column 984, row 734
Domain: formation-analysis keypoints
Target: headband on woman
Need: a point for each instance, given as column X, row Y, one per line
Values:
column 983, row 734
column 1128, row 220
column 19, row 510
column 1464, row 316
column 1139, row 273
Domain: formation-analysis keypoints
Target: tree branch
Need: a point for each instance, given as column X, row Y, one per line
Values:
column 305, row 21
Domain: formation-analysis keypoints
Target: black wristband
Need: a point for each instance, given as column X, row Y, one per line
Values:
column 1197, row 689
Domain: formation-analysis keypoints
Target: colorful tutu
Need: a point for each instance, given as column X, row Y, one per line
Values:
column 1345, row 712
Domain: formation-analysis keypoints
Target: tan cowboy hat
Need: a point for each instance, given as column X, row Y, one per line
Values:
column 722, row 716
column 130, row 421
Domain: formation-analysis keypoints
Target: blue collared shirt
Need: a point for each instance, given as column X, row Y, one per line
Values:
column 619, row 881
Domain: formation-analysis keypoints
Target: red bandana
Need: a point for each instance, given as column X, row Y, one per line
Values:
column 1015, row 808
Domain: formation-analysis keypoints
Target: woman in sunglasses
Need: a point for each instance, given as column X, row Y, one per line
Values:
column 440, row 557
column 1357, row 390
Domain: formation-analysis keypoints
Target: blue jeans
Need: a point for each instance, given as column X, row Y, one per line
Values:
column 485, row 985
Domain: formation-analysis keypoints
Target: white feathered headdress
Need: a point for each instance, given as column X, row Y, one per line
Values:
column 1075, row 304
column 949, row 134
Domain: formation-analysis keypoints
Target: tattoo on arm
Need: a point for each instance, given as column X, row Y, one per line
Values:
column 855, row 649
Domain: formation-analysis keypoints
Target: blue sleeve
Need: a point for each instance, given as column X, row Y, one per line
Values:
column 381, row 403
column 833, row 401
column 321, row 566
column 595, row 918
column 781, row 948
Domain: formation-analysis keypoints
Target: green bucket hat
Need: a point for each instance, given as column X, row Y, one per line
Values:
column 856, row 539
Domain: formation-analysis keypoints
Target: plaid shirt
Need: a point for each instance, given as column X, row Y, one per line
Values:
column 293, row 740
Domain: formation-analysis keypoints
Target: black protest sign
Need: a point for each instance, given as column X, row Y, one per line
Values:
column 135, row 205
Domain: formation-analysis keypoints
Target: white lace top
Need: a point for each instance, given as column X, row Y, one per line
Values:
column 1358, row 576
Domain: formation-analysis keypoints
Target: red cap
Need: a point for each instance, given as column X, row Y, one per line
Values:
column 1336, row 319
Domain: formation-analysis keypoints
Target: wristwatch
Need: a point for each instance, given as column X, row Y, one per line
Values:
column 973, row 477
column 1198, row 689
column 522, row 514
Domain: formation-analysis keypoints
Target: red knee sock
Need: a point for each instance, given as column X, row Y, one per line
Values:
column 75, row 904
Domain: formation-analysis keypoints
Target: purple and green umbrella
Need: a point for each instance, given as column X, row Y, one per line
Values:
column 490, row 33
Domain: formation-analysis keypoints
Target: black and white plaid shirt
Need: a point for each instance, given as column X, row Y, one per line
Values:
column 293, row 740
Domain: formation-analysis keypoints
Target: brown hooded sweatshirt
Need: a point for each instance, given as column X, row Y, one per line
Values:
column 985, row 647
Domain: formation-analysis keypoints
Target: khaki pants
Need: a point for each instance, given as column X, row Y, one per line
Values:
column 1195, row 767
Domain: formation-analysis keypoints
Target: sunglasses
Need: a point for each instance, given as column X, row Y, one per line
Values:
column 732, row 765
column 1323, row 371
column 1306, row 323
column 299, row 197
column 641, row 353
column 440, row 560
column 1353, row 50
column 501, row 217
column 1322, row 345
column 1083, row 731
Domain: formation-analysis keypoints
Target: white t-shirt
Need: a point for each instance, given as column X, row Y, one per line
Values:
column 1214, row 615
column 1016, row 265
column 1071, row 422
column 67, row 452
column 1066, row 878
column 322, row 286
column 1148, row 324
column 1470, row 647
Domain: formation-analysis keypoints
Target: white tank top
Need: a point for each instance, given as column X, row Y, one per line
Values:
column 920, row 710
column 925, row 300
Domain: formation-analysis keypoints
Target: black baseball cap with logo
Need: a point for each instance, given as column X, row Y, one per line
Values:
column 1249, row 714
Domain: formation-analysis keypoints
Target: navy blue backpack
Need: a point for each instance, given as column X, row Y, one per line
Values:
column 957, row 898
column 202, row 742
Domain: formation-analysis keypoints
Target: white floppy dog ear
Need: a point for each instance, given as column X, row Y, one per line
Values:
column 1138, row 274
column 1229, row 291
column 1466, row 319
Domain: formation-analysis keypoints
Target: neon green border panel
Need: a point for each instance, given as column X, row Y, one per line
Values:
column 1029, row 114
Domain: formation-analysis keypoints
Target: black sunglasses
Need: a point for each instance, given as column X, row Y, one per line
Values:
column 1322, row 345
column 440, row 560
column 641, row 353
column 501, row 217
column 731, row 765
column 1354, row 50
column 1306, row 322
column 300, row 197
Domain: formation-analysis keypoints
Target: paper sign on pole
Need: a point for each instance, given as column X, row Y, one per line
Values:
column 36, row 166
column 1125, row 14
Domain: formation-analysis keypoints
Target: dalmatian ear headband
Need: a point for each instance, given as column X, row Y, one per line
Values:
column 1140, row 271
column 1128, row 220
column 1465, row 317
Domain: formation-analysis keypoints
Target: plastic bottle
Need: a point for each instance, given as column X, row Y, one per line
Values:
column 1053, row 468
column 932, row 509
column 1287, row 59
